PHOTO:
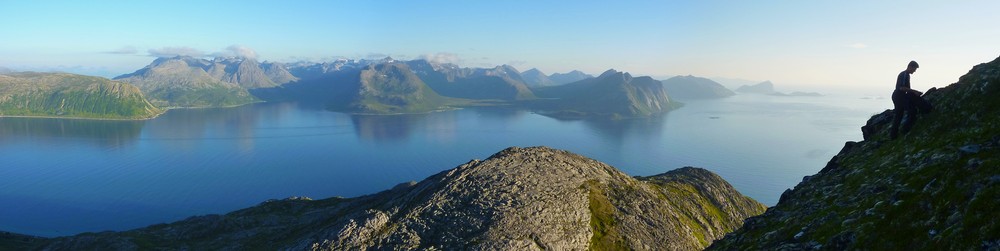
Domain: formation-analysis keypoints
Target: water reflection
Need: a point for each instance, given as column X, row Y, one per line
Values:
column 104, row 133
column 187, row 127
column 500, row 113
column 386, row 128
column 619, row 129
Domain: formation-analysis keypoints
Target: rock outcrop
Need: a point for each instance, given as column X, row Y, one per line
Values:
column 936, row 187
column 518, row 199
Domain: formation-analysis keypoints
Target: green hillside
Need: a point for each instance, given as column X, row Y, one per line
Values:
column 71, row 95
column 934, row 188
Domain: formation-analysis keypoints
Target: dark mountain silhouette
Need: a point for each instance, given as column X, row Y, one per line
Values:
column 535, row 78
column 569, row 77
column 765, row 87
column 691, row 87
column 613, row 94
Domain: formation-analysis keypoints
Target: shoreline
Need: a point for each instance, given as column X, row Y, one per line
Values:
column 163, row 110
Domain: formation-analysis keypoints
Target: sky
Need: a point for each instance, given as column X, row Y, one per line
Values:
column 803, row 44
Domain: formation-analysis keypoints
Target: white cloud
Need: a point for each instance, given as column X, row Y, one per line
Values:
column 167, row 52
column 442, row 58
column 123, row 50
column 237, row 51
column 858, row 46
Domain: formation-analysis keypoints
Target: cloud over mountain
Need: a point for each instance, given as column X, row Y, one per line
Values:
column 167, row 52
column 442, row 58
column 238, row 51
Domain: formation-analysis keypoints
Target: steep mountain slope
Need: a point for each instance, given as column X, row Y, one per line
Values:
column 71, row 95
column 569, row 77
column 935, row 188
column 278, row 73
column 535, row 78
column 518, row 199
column 184, row 82
column 691, row 87
column 612, row 94
column 502, row 82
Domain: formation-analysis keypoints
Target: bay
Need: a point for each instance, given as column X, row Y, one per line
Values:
column 67, row 176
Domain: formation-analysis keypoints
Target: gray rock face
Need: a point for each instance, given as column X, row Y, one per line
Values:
column 518, row 199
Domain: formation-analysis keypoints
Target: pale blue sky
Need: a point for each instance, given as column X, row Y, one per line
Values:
column 826, row 44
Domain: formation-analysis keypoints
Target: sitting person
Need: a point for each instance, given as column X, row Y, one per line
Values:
column 905, row 100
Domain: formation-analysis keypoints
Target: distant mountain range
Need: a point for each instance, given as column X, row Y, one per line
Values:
column 691, row 87
column 501, row 83
column 767, row 88
column 337, row 85
column 71, row 95
column 569, row 77
column 389, row 86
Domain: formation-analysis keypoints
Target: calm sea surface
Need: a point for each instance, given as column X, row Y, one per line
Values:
column 64, row 176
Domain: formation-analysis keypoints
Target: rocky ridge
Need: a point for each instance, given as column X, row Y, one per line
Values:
column 518, row 199
column 937, row 187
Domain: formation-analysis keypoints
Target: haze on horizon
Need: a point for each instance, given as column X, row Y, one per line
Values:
column 810, row 44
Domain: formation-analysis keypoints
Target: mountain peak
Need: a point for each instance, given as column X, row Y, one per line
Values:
column 609, row 72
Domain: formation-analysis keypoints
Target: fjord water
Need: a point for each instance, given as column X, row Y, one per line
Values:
column 66, row 176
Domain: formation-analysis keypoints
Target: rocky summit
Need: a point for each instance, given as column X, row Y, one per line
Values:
column 937, row 187
column 518, row 199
